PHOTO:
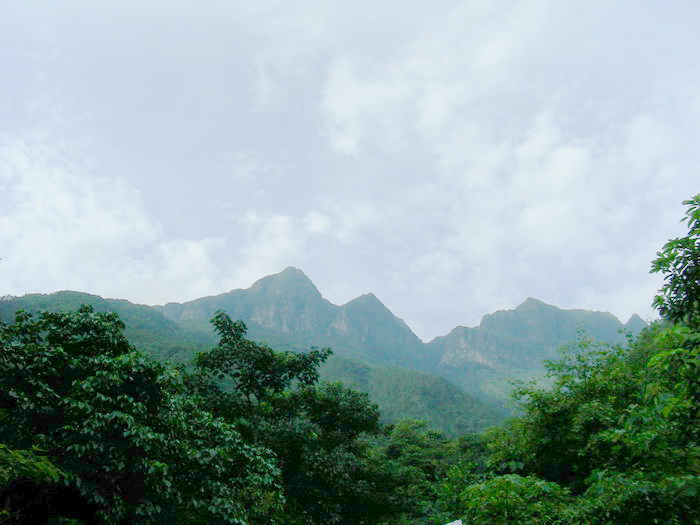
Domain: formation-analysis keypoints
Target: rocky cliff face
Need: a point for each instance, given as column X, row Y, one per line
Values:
column 288, row 309
column 524, row 337
column 286, row 302
column 289, row 304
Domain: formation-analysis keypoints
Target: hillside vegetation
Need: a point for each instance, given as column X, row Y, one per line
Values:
column 95, row 431
column 458, row 383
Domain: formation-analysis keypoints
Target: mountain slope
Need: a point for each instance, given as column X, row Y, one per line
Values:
column 512, row 344
column 523, row 337
column 287, row 302
column 146, row 328
column 287, row 311
column 399, row 392
column 402, row 393
column 372, row 348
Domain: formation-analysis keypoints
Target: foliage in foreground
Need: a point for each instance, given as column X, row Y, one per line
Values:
column 275, row 401
column 248, row 435
column 120, row 428
column 617, row 437
column 244, row 435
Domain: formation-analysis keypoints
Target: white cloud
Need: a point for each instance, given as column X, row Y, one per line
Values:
column 453, row 158
column 317, row 223
column 271, row 244
column 64, row 228
column 353, row 101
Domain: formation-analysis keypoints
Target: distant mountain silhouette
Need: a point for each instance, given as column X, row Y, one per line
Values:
column 513, row 344
column 373, row 349
column 523, row 337
column 287, row 309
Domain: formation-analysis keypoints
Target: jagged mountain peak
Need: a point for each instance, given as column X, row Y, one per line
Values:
column 635, row 324
column 290, row 281
column 371, row 308
column 368, row 299
column 365, row 320
column 635, row 319
column 532, row 303
column 523, row 337
column 293, row 272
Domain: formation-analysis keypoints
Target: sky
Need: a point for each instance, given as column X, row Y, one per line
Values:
column 452, row 157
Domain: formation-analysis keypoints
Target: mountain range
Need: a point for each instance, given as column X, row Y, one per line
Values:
column 459, row 382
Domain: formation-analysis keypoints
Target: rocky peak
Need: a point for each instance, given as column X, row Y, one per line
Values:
column 635, row 324
column 290, row 282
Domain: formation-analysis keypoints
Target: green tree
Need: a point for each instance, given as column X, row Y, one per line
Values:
column 619, row 429
column 29, row 465
column 617, row 437
column 560, row 435
column 426, row 463
column 679, row 261
column 274, row 399
column 121, row 429
column 511, row 498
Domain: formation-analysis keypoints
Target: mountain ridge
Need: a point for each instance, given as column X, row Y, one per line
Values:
column 400, row 392
column 287, row 312
column 297, row 276
column 481, row 360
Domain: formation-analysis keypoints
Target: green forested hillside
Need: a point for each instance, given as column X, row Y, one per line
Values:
column 146, row 328
column 408, row 377
column 399, row 392
column 94, row 431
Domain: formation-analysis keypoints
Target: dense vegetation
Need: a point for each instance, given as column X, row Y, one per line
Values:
column 94, row 431
column 615, row 440
column 398, row 391
column 402, row 393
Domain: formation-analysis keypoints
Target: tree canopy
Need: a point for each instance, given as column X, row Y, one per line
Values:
column 679, row 261
column 616, row 439
column 93, row 430
column 122, row 430
column 244, row 434
column 275, row 401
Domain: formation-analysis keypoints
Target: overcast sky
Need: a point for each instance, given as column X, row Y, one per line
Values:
column 452, row 157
